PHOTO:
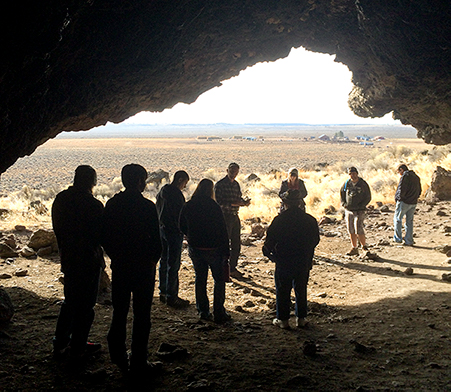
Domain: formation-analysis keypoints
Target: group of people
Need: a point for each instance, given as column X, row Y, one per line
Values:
column 137, row 233
column 355, row 194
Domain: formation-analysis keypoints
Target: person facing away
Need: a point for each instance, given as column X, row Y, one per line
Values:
column 293, row 182
column 76, row 215
column 406, row 197
column 202, row 221
column 170, row 201
column 290, row 242
column 355, row 194
column 131, row 238
column 229, row 197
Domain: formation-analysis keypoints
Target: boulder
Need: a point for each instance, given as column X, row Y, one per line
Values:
column 6, row 306
column 6, row 251
column 252, row 178
column 42, row 238
column 27, row 252
column 45, row 251
column 440, row 188
column 157, row 177
column 258, row 230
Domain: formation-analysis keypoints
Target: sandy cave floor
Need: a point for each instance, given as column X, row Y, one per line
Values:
column 374, row 326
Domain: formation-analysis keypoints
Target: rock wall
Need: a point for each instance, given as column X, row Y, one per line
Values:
column 73, row 65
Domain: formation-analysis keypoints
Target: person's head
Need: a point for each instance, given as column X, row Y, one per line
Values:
column 85, row 177
column 291, row 198
column 134, row 177
column 402, row 168
column 180, row 180
column 205, row 188
column 233, row 170
column 353, row 173
column 293, row 174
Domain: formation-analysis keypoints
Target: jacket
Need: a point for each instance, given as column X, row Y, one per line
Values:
column 355, row 197
column 409, row 188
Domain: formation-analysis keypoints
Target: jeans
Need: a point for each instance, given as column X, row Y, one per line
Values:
column 234, row 231
column 408, row 210
column 202, row 259
column 170, row 263
column 141, row 283
column 77, row 311
column 286, row 279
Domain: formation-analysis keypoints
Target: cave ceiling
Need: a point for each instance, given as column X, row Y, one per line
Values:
column 74, row 65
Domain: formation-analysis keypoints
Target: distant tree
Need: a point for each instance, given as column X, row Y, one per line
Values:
column 339, row 134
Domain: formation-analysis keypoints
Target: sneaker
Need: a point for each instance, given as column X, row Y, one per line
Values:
column 236, row 274
column 301, row 322
column 92, row 348
column 206, row 316
column 353, row 252
column 177, row 303
column 281, row 323
column 121, row 362
column 60, row 353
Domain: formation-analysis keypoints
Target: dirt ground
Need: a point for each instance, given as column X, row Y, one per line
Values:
column 375, row 327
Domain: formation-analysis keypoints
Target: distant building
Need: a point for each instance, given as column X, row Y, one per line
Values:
column 323, row 137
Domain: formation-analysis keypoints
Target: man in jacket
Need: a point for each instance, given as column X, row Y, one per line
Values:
column 131, row 238
column 170, row 201
column 76, row 215
column 355, row 194
column 407, row 194
column 290, row 242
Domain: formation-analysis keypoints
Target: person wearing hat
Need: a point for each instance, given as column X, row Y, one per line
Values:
column 293, row 182
column 355, row 194
column 290, row 242
column 229, row 197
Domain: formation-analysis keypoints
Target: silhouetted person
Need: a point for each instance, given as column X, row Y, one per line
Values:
column 293, row 182
column 170, row 201
column 355, row 194
column 203, row 223
column 290, row 242
column 407, row 194
column 132, row 240
column 229, row 197
column 76, row 215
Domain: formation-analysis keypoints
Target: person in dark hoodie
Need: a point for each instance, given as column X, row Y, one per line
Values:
column 170, row 201
column 290, row 242
column 355, row 194
column 407, row 194
column 131, row 237
column 76, row 216
column 202, row 220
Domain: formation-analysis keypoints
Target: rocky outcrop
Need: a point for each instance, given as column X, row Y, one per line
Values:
column 440, row 188
column 74, row 65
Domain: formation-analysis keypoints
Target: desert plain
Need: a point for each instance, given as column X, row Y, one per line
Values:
column 377, row 322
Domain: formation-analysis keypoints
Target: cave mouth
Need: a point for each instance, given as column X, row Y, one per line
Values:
column 76, row 66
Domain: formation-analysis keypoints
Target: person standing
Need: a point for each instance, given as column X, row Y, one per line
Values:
column 293, row 182
column 355, row 194
column 170, row 201
column 290, row 242
column 202, row 221
column 76, row 215
column 229, row 197
column 131, row 237
column 407, row 194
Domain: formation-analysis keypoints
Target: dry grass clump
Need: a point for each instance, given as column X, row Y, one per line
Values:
column 323, row 186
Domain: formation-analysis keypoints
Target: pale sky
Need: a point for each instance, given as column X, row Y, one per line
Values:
column 305, row 87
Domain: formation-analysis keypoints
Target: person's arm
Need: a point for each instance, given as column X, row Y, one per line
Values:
column 154, row 233
column 302, row 189
column 367, row 194
column 343, row 195
column 283, row 188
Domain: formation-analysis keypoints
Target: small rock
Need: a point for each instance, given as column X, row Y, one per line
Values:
column 441, row 213
column 448, row 254
column 384, row 208
column 249, row 304
column 252, row 178
column 20, row 228
column 199, row 385
column 258, row 230
column 446, row 277
column 26, row 251
column 408, row 271
column 240, row 309
column 6, row 250
column 21, row 272
column 5, row 276
column 41, row 239
column 321, row 295
column 45, row 251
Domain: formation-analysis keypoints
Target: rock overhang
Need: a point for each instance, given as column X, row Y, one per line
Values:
column 74, row 65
